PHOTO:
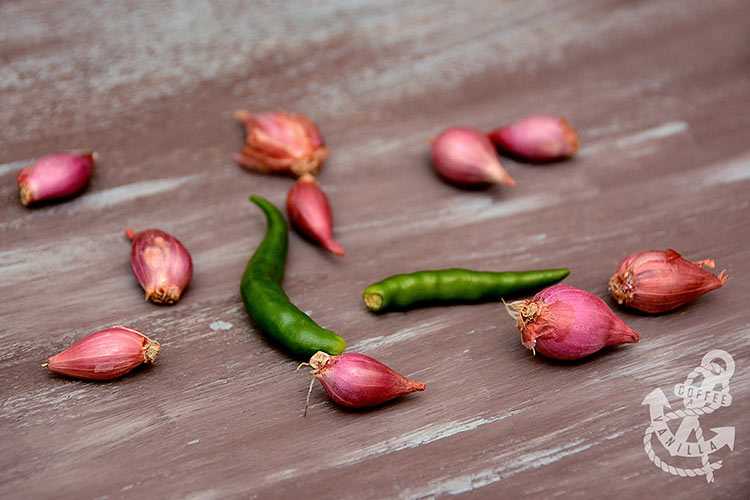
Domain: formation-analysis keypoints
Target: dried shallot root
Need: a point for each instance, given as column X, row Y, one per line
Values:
column 310, row 213
column 281, row 142
column 657, row 281
column 105, row 355
column 161, row 264
column 358, row 381
column 563, row 322
column 537, row 138
column 55, row 176
column 465, row 156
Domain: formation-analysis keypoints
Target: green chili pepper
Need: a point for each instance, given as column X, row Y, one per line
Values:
column 403, row 291
column 268, row 304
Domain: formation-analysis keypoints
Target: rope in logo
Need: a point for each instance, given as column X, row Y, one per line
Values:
column 710, row 372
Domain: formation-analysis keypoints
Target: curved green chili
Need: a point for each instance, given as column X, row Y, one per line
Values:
column 268, row 304
column 403, row 291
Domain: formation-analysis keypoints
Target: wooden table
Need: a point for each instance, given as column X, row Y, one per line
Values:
column 660, row 94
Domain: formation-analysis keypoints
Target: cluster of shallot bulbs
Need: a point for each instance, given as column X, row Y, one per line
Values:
column 160, row 263
column 287, row 143
column 560, row 322
column 278, row 142
column 563, row 322
column 469, row 157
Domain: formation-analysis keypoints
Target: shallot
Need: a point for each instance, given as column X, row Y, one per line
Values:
column 55, row 176
column 465, row 156
column 657, row 281
column 310, row 213
column 538, row 138
column 563, row 322
column 281, row 142
column 358, row 381
column 161, row 264
column 105, row 355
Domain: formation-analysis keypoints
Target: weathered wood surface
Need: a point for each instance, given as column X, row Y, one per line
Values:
column 660, row 93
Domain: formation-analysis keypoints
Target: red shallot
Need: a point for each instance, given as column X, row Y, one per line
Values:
column 465, row 156
column 310, row 212
column 358, row 381
column 161, row 264
column 105, row 355
column 538, row 138
column 657, row 281
column 55, row 176
column 281, row 142
column 563, row 322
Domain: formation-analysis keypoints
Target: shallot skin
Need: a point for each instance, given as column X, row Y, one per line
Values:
column 657, row 281
column 162, row 264
column 55, row 176
column 563, row 322
column 359, row 381
column 105, row 355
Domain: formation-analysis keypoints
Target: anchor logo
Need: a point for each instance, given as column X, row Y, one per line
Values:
column 716, row 368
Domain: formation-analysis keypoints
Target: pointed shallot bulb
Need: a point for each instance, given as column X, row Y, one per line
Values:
column 563, row 322
column 358, row 381
column 161, row 264
column 538, row 138
column 657, row 281
column 281, row 142
column 465, row 156
column 310, row 213
column 105, row 355
column 55, row 176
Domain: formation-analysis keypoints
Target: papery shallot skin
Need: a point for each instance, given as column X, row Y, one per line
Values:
column 358, row 381
column 310, row 213
column 657, row 281
column 161, row 264
column 105, row 355
column 539, row 138
column 55, row 176
column 281, row 142
column 564, row 322
column 465, row 156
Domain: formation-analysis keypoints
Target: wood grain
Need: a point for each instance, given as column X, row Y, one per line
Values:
column 660, row 94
